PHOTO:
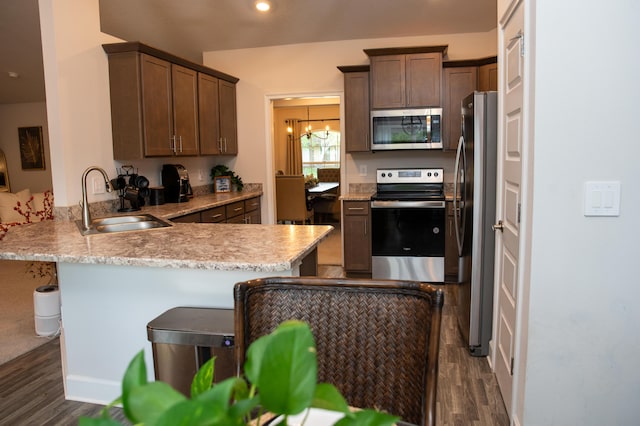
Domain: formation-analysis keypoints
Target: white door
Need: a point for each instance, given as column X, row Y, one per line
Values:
column 509, row 198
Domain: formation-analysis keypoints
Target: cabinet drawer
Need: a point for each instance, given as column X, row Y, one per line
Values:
column 187, row 218
column 235, row 209
column 356, row 208
column 252, row 204
column 214, row 215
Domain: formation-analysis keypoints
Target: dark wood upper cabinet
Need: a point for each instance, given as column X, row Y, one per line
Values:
column 458, row 83
column 218, row 124
column 356, row 108
column 406, row 77
column 488, row 77
column 156, row 101
column 461, row 78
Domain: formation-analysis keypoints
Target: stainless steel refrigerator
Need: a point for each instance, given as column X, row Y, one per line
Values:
column 474, row 214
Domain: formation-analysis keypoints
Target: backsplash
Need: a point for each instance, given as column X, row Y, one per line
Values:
column 108, row 207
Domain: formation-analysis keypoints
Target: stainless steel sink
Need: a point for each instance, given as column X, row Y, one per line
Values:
column 138, row 222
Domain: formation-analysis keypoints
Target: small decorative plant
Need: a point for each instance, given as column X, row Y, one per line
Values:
column 222, row 170
column 43, row 269
column 281, row 370
column 310, row 180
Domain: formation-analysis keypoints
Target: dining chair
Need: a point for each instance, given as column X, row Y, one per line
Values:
column 291, row 200
column 327, row 204
column 377, row 341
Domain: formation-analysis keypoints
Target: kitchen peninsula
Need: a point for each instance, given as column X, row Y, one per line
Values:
column 112, row 285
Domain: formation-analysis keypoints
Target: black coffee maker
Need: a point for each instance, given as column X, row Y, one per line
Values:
column 175, row 181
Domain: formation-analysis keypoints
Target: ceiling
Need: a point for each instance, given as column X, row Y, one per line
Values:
column 188, row 27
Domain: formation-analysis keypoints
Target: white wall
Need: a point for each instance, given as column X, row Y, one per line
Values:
column 311, row 69
column 13, row 116
column 76, row 76
column 582, row 359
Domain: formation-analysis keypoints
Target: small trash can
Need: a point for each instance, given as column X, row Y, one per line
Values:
column 184, row 338
column 46, row 307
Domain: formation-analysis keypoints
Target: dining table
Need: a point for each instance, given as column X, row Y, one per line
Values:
column 323, row 187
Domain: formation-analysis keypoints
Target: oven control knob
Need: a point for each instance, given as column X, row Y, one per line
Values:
column 429, row 174
column 436, row 230
column 390, row 174
column 435, row 174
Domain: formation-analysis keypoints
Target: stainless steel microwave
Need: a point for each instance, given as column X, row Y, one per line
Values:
column 418, row 128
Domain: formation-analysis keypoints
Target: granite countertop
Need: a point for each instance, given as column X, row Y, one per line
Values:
column 357, row 196
column 230, row 247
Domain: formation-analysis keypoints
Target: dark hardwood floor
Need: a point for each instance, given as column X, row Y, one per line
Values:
column 31, row 389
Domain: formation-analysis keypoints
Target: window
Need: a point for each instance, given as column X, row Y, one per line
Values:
column 320, row 149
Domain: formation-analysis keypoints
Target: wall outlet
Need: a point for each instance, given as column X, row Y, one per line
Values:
column 363, row 170
column 98, row 186
column 200, row 175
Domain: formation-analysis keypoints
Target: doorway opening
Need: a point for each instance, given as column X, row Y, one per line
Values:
column 307, row 142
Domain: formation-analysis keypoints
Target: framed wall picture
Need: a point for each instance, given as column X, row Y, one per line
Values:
column 222, row 184
column 31, row 148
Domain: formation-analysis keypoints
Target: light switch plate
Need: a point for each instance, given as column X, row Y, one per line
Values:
column 602, row 198
column 98, row 185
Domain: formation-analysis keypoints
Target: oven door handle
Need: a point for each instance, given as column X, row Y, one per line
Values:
column 379, row 204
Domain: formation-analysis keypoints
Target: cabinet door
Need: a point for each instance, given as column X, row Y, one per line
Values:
column 423, row 72
column 459, row 82
column 356, row 111
column 185, row 110
column 357, row 236
column 208, row 113
column 156, row 106
column 228, row 117
column 488, row 77
column 388, row 81
column 252, row 210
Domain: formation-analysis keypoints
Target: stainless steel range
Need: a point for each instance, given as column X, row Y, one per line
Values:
column 408, row 220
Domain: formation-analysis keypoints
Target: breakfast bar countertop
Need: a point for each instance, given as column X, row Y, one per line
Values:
column 229, row 247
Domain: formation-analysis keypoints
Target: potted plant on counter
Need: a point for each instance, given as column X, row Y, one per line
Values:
column 281, row 370
column 222, row 170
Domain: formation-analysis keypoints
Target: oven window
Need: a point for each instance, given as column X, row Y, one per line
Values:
column 408, row 232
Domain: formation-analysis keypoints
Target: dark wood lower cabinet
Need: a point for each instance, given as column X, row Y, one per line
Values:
column 356, row 225
column 247, row 211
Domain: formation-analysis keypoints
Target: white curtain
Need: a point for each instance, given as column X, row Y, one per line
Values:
column 294, row 149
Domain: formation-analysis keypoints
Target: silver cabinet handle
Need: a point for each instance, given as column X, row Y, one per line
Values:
column 215, row 216
column 237, row 209
column 498, row 226
column 355, row 208
column 180, row 143
column 172, row 143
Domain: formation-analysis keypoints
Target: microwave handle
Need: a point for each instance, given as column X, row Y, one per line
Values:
column 428, row 122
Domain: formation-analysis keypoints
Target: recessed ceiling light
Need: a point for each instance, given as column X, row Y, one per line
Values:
column 263, row 5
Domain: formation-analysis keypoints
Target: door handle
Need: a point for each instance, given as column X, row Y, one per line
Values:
column 498, row 226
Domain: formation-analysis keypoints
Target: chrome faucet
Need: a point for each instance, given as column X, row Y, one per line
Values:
column 86, row 216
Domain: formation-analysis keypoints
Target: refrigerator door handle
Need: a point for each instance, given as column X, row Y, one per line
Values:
column 456, row 208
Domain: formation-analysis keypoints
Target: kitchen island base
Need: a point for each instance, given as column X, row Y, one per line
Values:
column 105, row 311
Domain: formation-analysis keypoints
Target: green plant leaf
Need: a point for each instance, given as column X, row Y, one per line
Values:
column 203, row 379
column 134, row 376
column 194, row 413
column 328, row 397
column 368, row 418
column 255, row 353
column 148, row 402
column 86, row 421
column 289, row 369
